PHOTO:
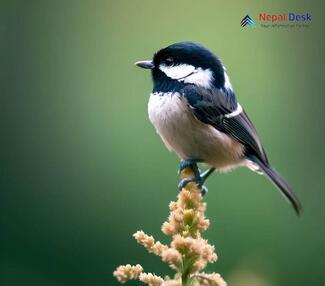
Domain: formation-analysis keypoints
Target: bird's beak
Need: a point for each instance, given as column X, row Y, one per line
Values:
column 145, row 64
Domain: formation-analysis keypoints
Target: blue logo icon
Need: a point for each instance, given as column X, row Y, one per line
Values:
column 247, row 20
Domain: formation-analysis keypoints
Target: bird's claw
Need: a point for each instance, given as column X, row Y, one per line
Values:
column 182, row 184
column 204, row 190
column 185, row 181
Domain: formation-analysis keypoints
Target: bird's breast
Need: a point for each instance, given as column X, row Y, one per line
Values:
column 170, row 116
column 167, row 110
column 190, row 138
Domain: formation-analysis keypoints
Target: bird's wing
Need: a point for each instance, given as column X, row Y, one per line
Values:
column 212, row 106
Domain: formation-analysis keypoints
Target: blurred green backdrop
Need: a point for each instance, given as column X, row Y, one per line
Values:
column 81, row 168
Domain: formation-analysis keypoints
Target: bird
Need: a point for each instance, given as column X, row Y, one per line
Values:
column 194, row 109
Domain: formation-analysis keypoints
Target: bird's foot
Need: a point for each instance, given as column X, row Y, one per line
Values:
column 204, row 190
column 199, row 178
column 182, row 184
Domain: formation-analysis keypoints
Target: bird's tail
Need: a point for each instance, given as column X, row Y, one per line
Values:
column 279, row 182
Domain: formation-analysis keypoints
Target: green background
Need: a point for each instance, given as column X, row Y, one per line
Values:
column 81, row 168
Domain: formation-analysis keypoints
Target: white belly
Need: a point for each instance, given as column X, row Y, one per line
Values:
column 189, row 137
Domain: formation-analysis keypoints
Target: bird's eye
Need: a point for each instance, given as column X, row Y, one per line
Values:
column 169, row 62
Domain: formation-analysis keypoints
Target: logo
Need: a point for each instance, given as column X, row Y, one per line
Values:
column 285, row 17
column 247, row 20
column 278, row 20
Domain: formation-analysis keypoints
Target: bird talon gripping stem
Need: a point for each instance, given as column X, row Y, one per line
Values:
column 190, row 173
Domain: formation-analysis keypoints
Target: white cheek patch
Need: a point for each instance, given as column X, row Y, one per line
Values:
column 188, row 74
column 200, row 77
column 178, row 71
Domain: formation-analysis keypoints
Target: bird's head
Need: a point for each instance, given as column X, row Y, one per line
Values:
column 185, row 63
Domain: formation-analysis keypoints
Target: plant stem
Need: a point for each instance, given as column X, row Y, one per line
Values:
column 186, row 271
column 185, row 279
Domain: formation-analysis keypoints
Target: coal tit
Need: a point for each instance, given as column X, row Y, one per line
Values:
column 194, row 109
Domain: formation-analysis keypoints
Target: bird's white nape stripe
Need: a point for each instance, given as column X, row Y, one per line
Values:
column 188, row 74
column 227, row 80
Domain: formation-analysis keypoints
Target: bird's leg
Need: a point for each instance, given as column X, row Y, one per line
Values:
column 206, row 174
column 203, row 177
column 188, row 163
